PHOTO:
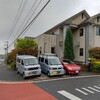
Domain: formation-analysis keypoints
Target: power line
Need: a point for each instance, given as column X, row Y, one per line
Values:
column 28, row 26
column 19, row 12
column 28, row 15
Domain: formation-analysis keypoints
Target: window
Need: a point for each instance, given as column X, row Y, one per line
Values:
column 18, row 60
column 46, row 61
column 98, row 18
column 98, row 31
column 81, row 51
column 42, row 59
column 22, row 62
column 81, row 32
column 39, row 58
column 52, row 49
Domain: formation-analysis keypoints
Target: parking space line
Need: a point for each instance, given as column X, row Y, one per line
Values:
column 87, row 90
column 97, row 87
column 94, row 89
column 81, row 91
column 68, row 95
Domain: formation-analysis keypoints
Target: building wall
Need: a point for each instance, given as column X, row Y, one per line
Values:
column 79, row 19
column 79, row 42
column 76, row 44
column 45, row 42
column 96, row 39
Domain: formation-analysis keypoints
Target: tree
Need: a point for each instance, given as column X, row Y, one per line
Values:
column 68, row 45
column 25, row 44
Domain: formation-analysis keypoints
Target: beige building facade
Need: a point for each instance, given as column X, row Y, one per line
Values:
column 86, row 34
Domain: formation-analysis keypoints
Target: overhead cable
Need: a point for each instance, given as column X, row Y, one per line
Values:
column 28, row 26
column 19, row 12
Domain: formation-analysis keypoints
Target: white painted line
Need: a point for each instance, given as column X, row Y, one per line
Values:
column 87, row 90
column 97, row 87
column 81, row 91
column 68, row 95
column 94, row 89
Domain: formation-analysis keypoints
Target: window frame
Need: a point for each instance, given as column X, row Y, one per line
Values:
column 81, row 51
column 98, row 34
column 81, row 32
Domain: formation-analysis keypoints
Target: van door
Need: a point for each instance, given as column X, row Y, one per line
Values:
column 46, row 66
column 22, row 67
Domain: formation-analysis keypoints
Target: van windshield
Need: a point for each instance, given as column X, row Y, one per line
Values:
column 30, row 61
column 55, row 61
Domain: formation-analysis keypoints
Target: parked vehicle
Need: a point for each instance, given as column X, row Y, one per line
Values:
column 51, row 64
column 70, row 67
column 27, row 65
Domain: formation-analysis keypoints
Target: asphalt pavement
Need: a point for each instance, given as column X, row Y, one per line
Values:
column 73, row 89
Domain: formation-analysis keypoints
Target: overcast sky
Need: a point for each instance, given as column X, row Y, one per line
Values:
column 55, row 12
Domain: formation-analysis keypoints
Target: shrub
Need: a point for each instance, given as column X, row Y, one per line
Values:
column 94, row 52
column 96, row 66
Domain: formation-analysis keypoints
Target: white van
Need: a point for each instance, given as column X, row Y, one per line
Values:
column 27, row 65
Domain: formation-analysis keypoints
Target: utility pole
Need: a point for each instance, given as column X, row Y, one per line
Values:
column 6, row 48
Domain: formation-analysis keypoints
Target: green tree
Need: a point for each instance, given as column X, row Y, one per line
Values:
column 25, row 44
column 68, row 45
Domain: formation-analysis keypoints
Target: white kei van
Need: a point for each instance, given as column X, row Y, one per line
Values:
column 27, row 65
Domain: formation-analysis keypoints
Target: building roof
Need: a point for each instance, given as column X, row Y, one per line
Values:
column 68, row 21
column 91, row 20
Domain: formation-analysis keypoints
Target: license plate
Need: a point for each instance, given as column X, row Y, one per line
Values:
column 55, row 73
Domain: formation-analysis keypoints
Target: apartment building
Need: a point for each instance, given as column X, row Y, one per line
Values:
column 86, row 34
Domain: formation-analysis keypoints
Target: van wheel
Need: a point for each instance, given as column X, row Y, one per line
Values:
column 48, row 74
column 24, row 75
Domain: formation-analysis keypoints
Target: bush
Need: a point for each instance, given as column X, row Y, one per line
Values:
column 96, row 66
column 94, row 53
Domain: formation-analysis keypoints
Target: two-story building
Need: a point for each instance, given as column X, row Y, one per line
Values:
column 86, row 34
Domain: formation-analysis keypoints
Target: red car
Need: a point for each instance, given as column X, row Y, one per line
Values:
column 70, row 67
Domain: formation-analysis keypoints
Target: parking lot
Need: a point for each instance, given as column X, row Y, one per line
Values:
column 7, row 74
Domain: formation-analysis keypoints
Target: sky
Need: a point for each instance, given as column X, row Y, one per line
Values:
column 55, row 12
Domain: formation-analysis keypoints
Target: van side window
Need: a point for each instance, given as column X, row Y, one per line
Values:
column 39, row 58
column 42, row 59
column 22, row 62
column 46, row 61
column 18, row 60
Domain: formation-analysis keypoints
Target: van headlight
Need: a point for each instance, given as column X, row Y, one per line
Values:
column 50, row 68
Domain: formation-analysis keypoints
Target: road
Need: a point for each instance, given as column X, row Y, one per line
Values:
column 73, row 89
